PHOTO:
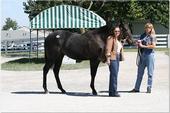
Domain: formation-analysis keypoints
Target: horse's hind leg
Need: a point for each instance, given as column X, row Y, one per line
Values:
column 56, row 70
column 93, row 67
column 45, row 71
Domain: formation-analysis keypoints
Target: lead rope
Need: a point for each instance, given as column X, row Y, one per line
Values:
column 138, row 58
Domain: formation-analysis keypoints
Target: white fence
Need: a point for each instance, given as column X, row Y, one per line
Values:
column 163, row 40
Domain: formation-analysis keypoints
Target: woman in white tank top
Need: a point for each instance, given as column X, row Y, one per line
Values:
column 114, row 50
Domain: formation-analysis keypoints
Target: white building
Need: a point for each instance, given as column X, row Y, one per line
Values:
column 22, row 36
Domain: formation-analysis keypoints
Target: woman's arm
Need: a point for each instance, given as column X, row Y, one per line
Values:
column 109, row 45
column 150, row 46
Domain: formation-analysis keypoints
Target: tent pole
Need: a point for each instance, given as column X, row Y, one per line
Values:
column 44, row 35
column 44, row 43
column 30, row 49
column 37, row 43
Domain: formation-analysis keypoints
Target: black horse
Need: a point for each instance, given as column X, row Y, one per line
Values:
column 87, row 46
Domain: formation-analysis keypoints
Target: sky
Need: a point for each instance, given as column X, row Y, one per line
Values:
column 14, row 10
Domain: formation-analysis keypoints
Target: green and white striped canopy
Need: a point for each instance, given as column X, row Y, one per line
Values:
column 66, row 16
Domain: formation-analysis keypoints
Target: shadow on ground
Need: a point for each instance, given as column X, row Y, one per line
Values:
column 28, row 60
column 82, row 94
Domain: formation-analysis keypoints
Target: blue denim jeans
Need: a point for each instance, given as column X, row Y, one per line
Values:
column 114, row 69
column 147, row 60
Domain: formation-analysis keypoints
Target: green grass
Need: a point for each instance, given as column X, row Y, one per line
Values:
column 162, row 49
column 156, row 49
column 34, row 64
column 22, row 54
column 41, row 54
column 167, row 52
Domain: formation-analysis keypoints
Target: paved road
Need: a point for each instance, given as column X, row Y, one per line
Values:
column 22, row 91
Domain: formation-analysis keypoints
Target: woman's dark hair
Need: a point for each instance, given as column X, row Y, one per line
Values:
column 112, row 32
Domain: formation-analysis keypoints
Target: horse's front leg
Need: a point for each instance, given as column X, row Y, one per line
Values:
column 56, row 70
column 93, row 68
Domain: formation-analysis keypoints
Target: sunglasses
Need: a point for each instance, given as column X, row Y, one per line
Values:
column 148, row 27
column 116, row 31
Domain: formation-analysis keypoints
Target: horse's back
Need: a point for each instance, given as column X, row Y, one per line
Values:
column 77, row 46
column 60, row 34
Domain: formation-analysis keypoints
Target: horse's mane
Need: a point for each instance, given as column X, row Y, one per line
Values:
column 107, row 28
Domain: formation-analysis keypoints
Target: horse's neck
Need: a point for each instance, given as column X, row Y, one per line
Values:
column 104, row 33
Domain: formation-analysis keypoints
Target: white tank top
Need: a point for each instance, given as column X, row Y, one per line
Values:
column 119, row 46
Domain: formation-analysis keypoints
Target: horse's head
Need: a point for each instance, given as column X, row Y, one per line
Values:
column 107, row 30
column 126, row 33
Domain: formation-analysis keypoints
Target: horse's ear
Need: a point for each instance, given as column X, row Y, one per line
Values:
column 108, row 23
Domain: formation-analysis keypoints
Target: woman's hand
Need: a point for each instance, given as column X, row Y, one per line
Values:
column 108, row 61
column 139, row 44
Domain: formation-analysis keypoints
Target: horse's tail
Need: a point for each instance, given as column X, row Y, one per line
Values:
column 51, row 47
column 45, row 55
column 45, row 52
column 47, row 58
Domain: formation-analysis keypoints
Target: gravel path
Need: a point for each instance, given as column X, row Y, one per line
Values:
column 21, row 91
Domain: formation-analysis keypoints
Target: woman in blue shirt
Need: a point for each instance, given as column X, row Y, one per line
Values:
column 146, row 46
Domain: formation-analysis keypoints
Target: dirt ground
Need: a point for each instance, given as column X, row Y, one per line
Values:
column 21, row 91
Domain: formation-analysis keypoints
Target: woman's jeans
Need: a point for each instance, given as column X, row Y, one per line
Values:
column 147, row 60
column 114, row 68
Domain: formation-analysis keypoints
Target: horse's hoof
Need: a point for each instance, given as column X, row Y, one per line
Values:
column 63, row 91
column 94, row 93
column 46, row 92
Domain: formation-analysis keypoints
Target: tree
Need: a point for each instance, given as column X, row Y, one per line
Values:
column 135, row 11
column 9, row 23
column 155, row 11
column 35, row 7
